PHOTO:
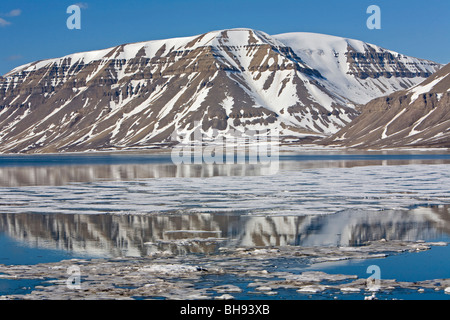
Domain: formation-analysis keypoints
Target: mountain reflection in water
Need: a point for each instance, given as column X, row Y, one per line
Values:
column 56, row 175
column 134, row 235
column 117, row 206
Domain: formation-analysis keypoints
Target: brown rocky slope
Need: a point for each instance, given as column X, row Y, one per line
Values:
column 417, row 117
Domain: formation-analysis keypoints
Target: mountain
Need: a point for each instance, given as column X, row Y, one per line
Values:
column 416, row 117
column 357, row 70
column 137, row 95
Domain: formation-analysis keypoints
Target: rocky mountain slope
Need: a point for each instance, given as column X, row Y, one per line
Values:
column 137, row 95
column 416, row 117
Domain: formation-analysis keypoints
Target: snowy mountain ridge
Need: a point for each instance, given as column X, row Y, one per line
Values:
column 137, row 95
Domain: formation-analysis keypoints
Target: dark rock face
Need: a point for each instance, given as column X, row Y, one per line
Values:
column 137, row 95
column 417, row 117
column 362, row 64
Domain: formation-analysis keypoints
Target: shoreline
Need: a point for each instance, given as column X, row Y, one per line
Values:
column 286, row 148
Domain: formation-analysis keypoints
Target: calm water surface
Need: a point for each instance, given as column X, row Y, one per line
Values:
column 56, row 207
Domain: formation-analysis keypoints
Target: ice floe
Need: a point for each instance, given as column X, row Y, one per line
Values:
column 175, row 277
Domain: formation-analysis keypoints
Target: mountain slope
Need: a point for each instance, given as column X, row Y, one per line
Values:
column 417, row 117
column 357, row 70
column 137, row 95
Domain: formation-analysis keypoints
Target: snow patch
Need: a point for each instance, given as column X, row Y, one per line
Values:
column 420, row 89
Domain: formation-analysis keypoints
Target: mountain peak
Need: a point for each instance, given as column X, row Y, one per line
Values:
column 234, row 37
column 137, row 95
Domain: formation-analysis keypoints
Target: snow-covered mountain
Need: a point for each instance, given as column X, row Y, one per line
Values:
column 357, row 70
column 416, row 117
column 137, row 95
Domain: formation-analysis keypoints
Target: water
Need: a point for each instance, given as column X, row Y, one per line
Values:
column 56, row 207
column 402, row 267
column 55, row 170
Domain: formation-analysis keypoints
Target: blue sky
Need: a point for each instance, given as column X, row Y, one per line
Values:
column 33, row 30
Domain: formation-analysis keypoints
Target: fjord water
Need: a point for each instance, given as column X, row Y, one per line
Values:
column 56, row 207
column 61, row 169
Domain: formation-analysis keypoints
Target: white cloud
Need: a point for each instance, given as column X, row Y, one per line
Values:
column 14, row 13
column 4, row 23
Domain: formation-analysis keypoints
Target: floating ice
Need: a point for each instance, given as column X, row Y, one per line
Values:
column 303, row 192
